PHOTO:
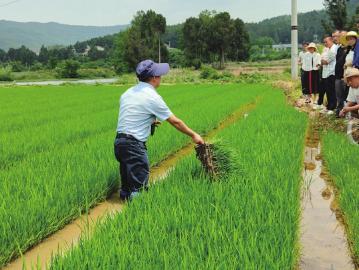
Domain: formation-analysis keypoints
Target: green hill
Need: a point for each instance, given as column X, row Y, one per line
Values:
column 33, row 34
column 310, row 26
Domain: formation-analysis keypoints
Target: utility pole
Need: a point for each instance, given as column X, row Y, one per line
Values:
column 294, row 40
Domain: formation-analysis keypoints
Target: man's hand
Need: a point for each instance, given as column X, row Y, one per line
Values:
column 324, row 62
column 197, row 139
column 157, row 123
column 343, row 112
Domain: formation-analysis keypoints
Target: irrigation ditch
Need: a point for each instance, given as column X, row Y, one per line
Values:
column 323, row 239
column 39, row 256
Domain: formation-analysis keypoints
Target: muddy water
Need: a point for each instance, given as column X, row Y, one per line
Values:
column 324, row 243
column 64, row 239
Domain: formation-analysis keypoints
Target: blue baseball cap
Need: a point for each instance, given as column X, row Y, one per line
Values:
column 149, row 68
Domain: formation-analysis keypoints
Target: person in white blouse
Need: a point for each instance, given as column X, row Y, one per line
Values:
column 310, row 65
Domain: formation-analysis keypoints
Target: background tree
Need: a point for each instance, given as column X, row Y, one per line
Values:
column 141, row 41
column 337, row 12
column 221, row 35
column 239, row 49
column 44, row 55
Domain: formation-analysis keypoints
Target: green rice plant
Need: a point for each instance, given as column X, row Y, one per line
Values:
column 340, row 157
column 250, row 221
column 56, row 149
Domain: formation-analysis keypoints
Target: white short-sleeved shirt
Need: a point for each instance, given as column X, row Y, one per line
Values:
column 353, row 95
column 329, row 56
column 140, row 106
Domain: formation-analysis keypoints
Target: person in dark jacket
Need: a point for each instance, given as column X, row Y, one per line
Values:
column 341, row 90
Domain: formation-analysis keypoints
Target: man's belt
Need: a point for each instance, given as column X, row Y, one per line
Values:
column 127, row 136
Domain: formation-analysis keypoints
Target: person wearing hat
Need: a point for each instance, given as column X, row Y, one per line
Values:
column 341, row 89
column 351, row 40
column 352, row 79
column 141, row 108
column 310, row 66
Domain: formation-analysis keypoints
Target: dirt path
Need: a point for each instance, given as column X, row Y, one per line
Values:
column 323, row 238
column 40, row 255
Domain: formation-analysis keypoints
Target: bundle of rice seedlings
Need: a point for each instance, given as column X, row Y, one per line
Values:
column 216, row 157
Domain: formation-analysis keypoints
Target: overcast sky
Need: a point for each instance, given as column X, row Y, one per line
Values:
column 114, row 12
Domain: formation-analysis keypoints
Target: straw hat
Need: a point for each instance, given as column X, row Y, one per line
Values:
column 351, row 72
column 352, row 34
column 312, row 45
column 343, row 40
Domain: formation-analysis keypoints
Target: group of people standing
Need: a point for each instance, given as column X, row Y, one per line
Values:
column 329, row 72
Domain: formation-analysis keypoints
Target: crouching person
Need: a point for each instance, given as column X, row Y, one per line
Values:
column 352, row 79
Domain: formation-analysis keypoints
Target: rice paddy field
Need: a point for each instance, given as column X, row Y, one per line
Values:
column 57, row 161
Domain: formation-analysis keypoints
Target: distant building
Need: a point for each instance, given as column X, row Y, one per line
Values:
column 281, row 47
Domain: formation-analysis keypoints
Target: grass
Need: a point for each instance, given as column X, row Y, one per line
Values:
column 248, row 221
column 56, row 150
column 341, row 160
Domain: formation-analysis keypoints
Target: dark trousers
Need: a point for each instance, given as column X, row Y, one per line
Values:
column 341, row 91
column 134, row 164
column 322, row 92
column 302, row 78
column 311, row 82
column 328, row 87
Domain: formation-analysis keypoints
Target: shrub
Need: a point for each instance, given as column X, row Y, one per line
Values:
column 17, row 67
column 5, row 75
column 209, row 73
column 68, row 69
column 176, row 58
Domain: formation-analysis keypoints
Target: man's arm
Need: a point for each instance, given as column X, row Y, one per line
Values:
column 351, row 106
column 181, row 126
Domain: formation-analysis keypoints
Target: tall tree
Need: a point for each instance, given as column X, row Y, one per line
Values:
column 222, row 33
column 240, row 44
column 44, row 55
column 337, row 11
column 141, row 41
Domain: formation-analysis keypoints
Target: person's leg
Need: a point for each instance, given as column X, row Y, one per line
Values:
column 132, row 155
column 315, row 85
column 302, row 77
column 306, row 84
column 340, row 94
column 120, row 149
column 138, row 168
column 321, row 91
column 330, row 87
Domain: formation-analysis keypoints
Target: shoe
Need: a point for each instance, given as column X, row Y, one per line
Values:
column 324, row 111
column 330, row 112
column 124, row 195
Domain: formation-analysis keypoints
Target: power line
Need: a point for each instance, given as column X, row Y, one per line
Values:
column 9, row 3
